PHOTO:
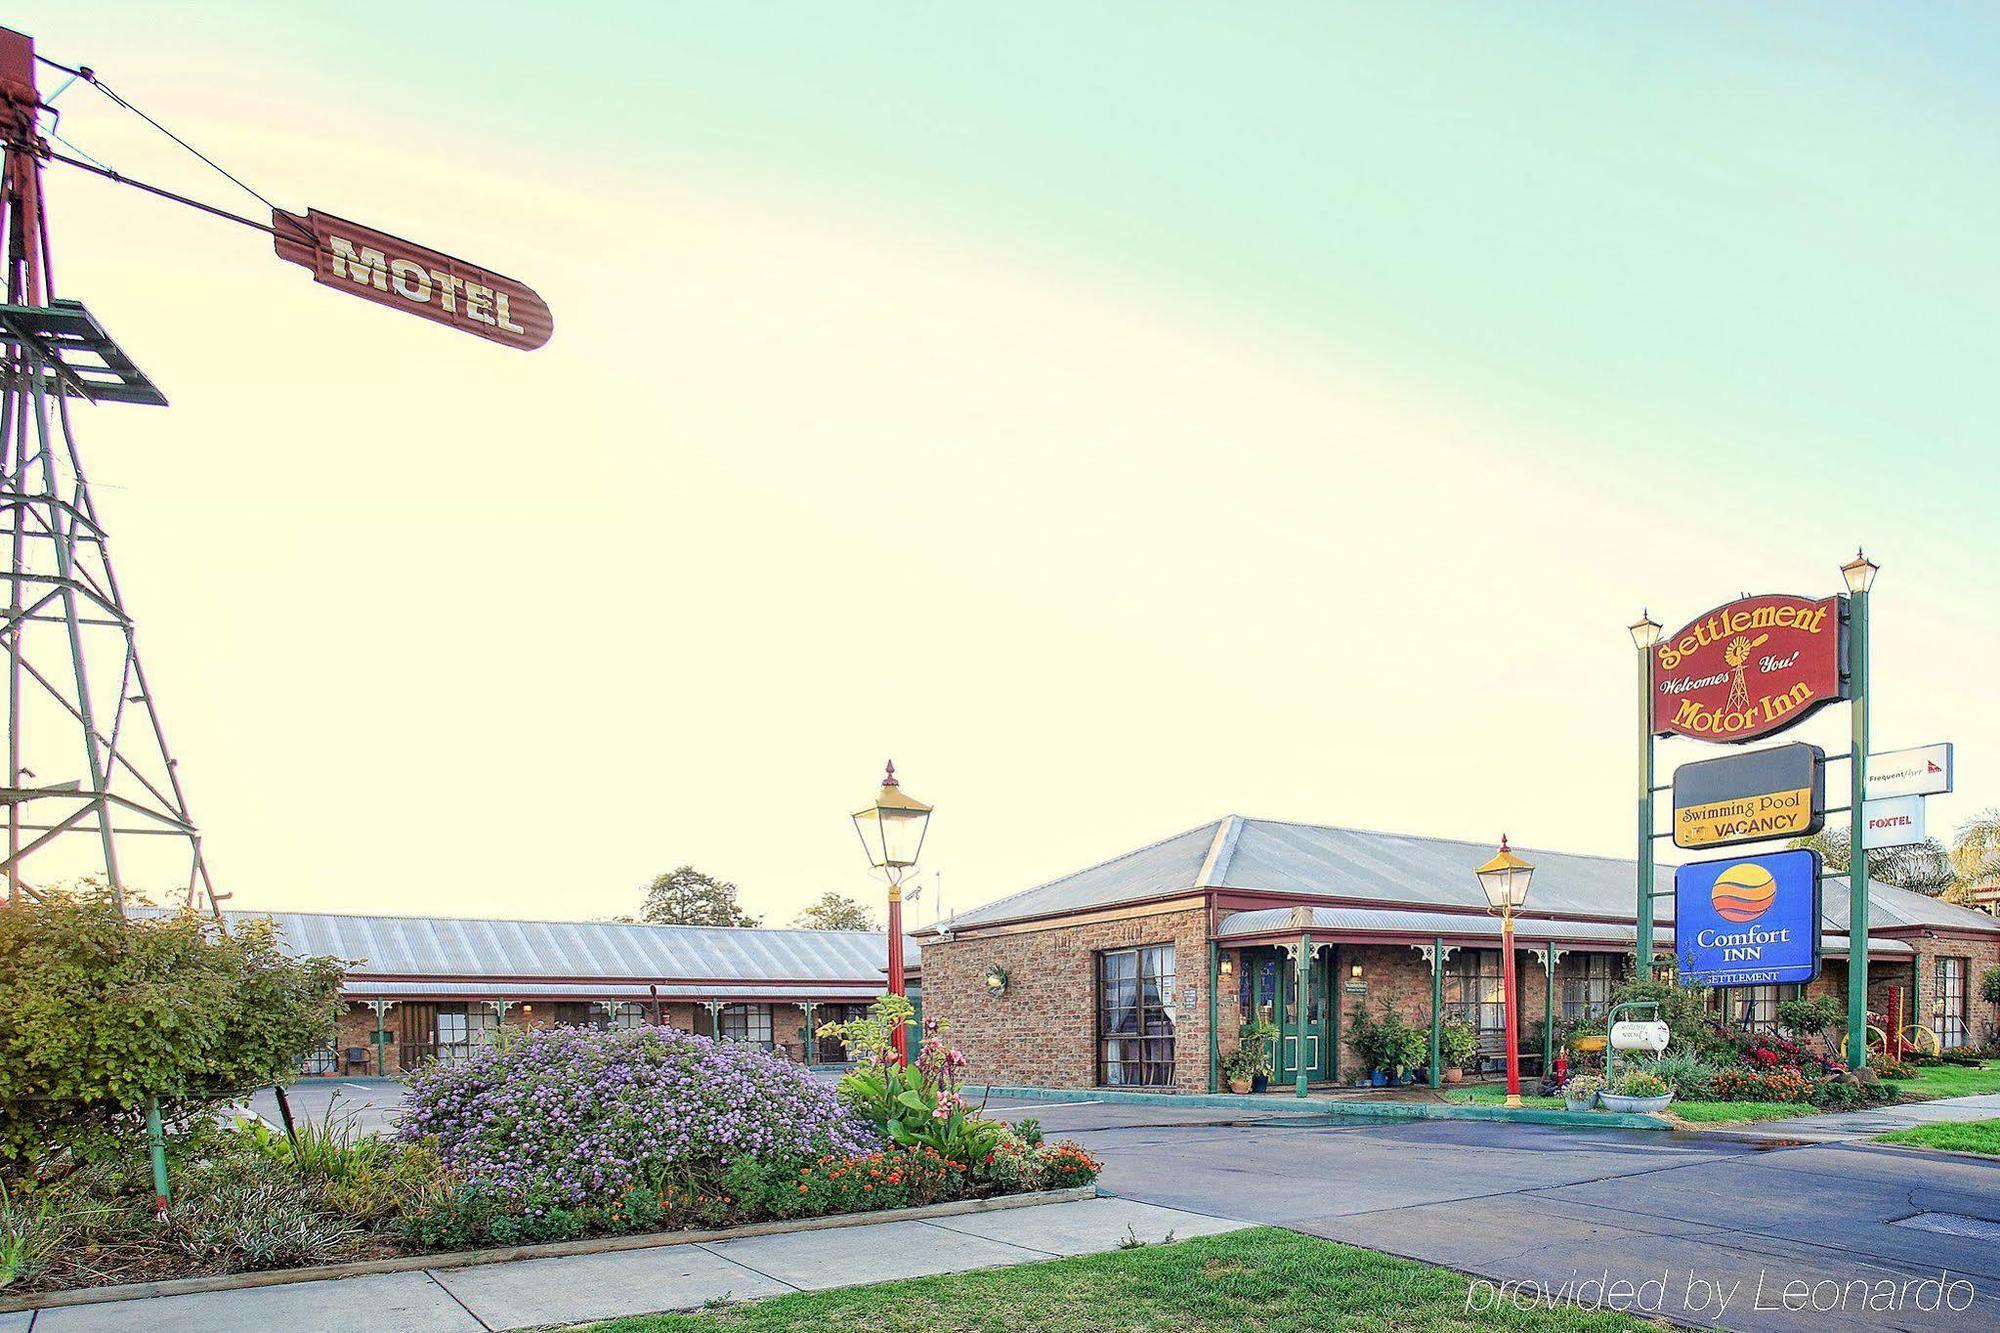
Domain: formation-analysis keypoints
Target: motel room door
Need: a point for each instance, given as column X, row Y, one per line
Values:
column 1318, row 1035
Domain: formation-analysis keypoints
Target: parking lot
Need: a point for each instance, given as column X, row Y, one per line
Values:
column 1717, row 1226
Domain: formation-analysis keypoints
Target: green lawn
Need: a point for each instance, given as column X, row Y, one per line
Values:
column 1930, row 1083
column 1263, row 1278
column 1934, row 1081
column 1982, row 1136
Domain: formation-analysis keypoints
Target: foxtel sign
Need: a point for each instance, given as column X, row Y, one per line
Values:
column 1749, row 668
column 394, row 272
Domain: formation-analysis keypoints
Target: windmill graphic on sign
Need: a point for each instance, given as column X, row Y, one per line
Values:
column 1737, row 655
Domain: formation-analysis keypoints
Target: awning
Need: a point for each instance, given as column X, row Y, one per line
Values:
column 361, row 988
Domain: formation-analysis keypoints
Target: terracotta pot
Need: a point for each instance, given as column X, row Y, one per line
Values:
column 1453, row 1075
column 1239, row 1086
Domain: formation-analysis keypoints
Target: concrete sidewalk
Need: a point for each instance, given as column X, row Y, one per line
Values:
column 1840, row 1125
column 529, row 1293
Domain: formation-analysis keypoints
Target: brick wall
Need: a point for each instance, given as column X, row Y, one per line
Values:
column 1042, row 1032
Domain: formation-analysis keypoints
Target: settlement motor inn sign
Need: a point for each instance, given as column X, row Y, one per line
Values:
column 1750, row 668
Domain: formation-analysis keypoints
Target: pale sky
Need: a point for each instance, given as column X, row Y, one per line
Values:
column 1120, row 417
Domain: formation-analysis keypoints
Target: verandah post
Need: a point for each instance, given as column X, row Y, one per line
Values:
column 1437, row 1011
column 1214, row 1038
column 1304, row 994
column 1549, row 1012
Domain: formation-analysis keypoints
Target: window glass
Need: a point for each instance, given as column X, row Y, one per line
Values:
column 1587, row 982
column 1951, row 974
column 748, row 1023
column 463, row 1029
column 1135, row 1016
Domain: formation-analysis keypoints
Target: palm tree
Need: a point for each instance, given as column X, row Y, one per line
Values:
column 1921, row 867
column 1975, row 855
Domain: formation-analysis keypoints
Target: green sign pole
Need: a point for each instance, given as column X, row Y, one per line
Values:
column 1643, row 942
column 1857, row 864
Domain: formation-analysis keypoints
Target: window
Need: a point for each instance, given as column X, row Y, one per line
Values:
column 1135, row 1018
column 1587, row 982
column 325, row 1060
column 747, row 1022
column 1751, row 1008
column 463, row 1029
column 1951, row 995
column 831, row 1050
column 1475, row 991
column 631, row 1014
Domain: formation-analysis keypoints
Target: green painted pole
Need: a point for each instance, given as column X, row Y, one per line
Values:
column 1643, row 943
column 156, row 1141
column 1857, row 864
column 1437, row 1011
column 812, row 1036
column 1549, row 1013
column 1305, row 1003
column 1214, row 1038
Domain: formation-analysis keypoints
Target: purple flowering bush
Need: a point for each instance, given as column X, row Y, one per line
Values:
column 579, row 1121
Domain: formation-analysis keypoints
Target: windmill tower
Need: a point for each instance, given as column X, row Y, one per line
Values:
column 89, row 786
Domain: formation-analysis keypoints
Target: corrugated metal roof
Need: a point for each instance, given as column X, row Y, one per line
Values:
column 1397, row 870
column 588, row 990
column 1163, row 867
column 415, row 946
column 1462, row 925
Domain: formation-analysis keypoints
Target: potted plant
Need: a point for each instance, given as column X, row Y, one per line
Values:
column 1238, row 1068
column 1364, row 1038
column 1639, row 1092
column 1581, row 1092
column 1413, row 1048
column 1260, row 1037
column 1460, row 1042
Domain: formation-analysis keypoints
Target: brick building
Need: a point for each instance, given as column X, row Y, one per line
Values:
column 423, row 987
column 1140, row 971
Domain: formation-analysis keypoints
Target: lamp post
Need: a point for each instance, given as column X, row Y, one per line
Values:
column 892, row 833
column 1860, row 575
column 1505, row 880
column 1645, row 633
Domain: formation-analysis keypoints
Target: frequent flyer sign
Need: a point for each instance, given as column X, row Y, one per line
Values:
column 391, row 271
column 1749, row 668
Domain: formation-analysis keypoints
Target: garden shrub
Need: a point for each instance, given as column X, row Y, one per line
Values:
column 1812, row 1018
column 98, row 1011
column 1640, row 1083
column 1688, row 1075
column 573, row 1117
column 1783, row 1083
column 241, row 1209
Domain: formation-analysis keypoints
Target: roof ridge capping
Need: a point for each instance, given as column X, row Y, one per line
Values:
column 512, row 920
column 1488, row 844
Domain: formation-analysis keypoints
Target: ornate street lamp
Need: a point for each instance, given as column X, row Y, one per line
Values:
column 1505, row 881
column 892, row 833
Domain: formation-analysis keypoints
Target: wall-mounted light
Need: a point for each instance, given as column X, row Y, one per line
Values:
column 527, row 1008
column 1228, row 965
column 1355, row 971
column 996, row 979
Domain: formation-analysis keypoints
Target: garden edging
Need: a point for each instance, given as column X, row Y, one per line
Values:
column 413, row 1263
column 1339, row 1109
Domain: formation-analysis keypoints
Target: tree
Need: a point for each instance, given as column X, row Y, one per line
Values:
column 1921, row 867
column 834, row 911
column 99, row 1012
column 686, row 897
column 1975, row 852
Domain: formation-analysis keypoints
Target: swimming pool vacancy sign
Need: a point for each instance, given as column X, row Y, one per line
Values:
column 391, row 271
column 1774, row 793
column 1748, row 920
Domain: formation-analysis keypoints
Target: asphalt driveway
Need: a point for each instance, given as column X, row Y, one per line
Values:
column 1706, row 1229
